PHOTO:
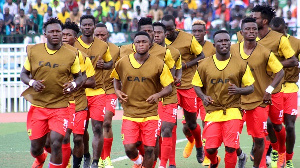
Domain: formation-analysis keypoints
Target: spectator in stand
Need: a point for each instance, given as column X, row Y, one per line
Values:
column 8, row 18
column 81, row 5
column 222, row 13
column 48, row 15
column 108, row 25
column 189, row 21
column 56, row 6
column 2, row 27
column 125, row 17
column 156, row 13
column 169, row 10
column 119, row 4
column 63, row 15
column 37, row 19
column 291, row 22
column 144, row 6
column 237, row 11
column 98, row 14
column 134, row 25
column 113, row 17
column 175, row 3
column 88, row 11
column 288, row 7
column 179, row 21
column 75, row 15
column 138, row 14
column 18, row 32
column 21, row 17
column 161, row 3
column 249, row 9
column 31, row 29
column 70, row 4
column 92, row 4
column 186, row 10
column 203, row 9
column 235, row 23
column 40, row 7
column 294, row 13
column 106, row 6
column 26, row 6
column 13, row 8
column 192, row 4
column 1, row 15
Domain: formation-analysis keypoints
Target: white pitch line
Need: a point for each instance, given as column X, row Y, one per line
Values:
column 125, row 157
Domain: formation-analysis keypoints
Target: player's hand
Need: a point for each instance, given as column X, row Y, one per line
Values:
column 100, row 64
column 207, row 100
column 38, row 85
column 121, row 96
column 177, row 81
column 153, row 99
column 233, row 89
column 267, row 99
column 68, row 88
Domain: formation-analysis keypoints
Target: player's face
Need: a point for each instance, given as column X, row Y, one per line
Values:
column 148, row 29
column 87, row 27
column 170, row 29
column 159, row 35
column 53, row 34
column 222, row 43
column 199, row 32
column 68, row 36
column 142, row 44
column 101, row 33
column 258, row 18
column 250, row 31
column 280, row 29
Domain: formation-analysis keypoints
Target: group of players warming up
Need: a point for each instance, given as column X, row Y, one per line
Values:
column 73, row 79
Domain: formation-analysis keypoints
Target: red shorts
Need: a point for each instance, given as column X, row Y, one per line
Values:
column 79, row 122
column 217, row 132
column 201, row 109
column 167, row 112
column 187, row 99
column 131, row 131
column 41, row 120
column 290, row 103
column 256, row 121
column 276, row 109
column 71, row 115
column 111, row 102
column 96, row 107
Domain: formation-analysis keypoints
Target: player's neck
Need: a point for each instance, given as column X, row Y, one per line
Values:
column 202, row 42
column 175, row 36
column 163, row 43
column 222, row 57
column 141, row 58
column 54, row 47
column 249, row 46
column 263, row 32
column 87, row 39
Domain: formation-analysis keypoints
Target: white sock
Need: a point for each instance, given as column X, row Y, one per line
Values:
column 242, row 155
column 138, row 161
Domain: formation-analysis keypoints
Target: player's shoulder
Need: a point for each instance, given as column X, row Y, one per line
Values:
column 68, row 46
column 185, row 34
column 97, row 42
column 113, row 46
column 127, row 46
column 273, row 33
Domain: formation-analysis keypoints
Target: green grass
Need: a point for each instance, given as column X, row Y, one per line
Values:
column 14, row 148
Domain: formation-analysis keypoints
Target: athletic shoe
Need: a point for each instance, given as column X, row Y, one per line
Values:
column 215, row 165
column 86, row 162
column 242, row 162
column 137, row 166
column 101, row 163
column 281, row 160
column 107, row 163
column 206, row 161
column 37, row 164
column 268, row 160
column 274, row 159
column 188, row 149
column 94, row 165
column 289, row 164
column 172, row 166
column 200, row 154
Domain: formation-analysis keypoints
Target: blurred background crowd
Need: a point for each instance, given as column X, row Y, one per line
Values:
column 21, row 21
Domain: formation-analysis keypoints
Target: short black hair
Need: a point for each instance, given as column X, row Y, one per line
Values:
column 142, row 33
column 87, row 17
column 218, row 32
column 73, row 26
column 54, row 20
column 144, row 21
column 248, row 20
column 267, row 12
column 277, row 21
column 159, row 24
column 101, row 25
column 168, row 18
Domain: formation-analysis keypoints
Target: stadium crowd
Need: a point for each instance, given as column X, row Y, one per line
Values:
column 25, row 18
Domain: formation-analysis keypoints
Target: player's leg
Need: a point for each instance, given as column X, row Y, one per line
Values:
column 149, row 157
column 149, row 137
column 97, row 143
column 172, row 163
column 86, row 146
column 47, row 144
column 242, row 157
column 56, row 149
column 38, row 152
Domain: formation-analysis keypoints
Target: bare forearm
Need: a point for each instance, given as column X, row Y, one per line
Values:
column 278, row 76
column 117, row 84
column 199, row 92
column 291, row 62
column 90, row 82
column 195, row 61
column 165, row 91
column 78, row 79
column 246, row 90
column 173, row 71
column 25, row 76
column 178, row 73
column 108, row 65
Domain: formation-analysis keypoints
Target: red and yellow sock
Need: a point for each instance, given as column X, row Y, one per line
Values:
column 173, row 151
column 66, row 154
column 197, row 135
column 166, row 148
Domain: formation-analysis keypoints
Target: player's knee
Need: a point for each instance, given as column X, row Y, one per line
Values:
column 78, row 140
column 185, row 129
column 56, row 145
column 149, row 150
column 290, row 127
column 259, row 142
column 277, row 127
column 107, row 125
column 211, row 151
column 192, row 125
column 36, row 150
column 98, row 129
column 130, row 149
column 167, row 132
column 229, row 149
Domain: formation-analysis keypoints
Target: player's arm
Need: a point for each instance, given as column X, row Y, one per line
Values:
column 118, row 87
column 25, row 78
column 169, row 61
column 247, row 81
column 90, row 74
column 106, row 62
column 178, row 72
column 198, row 85
column 77, row 76
column 166, row 79
column 196, row 49
column 288, row 52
